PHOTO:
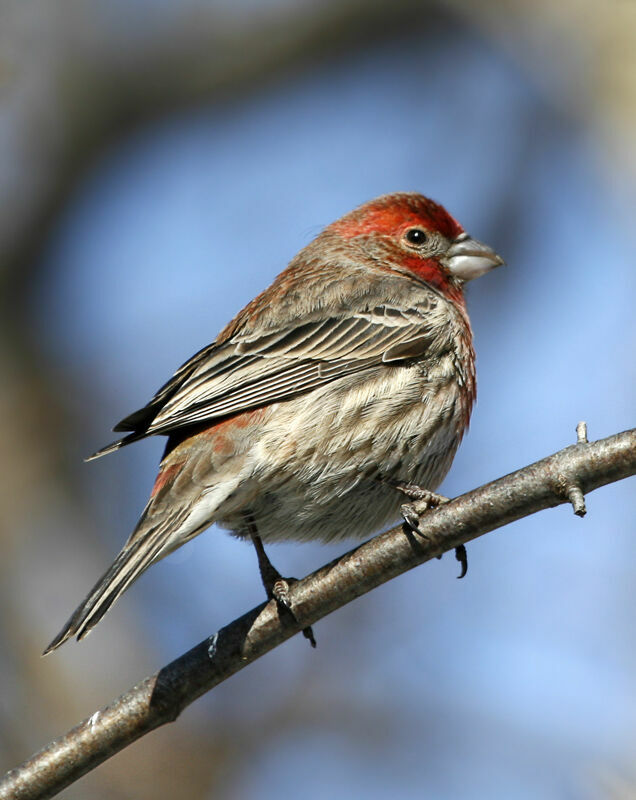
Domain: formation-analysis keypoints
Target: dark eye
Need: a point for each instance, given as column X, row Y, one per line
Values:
column 416, row 236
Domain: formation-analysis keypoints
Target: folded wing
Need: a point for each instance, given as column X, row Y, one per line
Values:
column 256, row 370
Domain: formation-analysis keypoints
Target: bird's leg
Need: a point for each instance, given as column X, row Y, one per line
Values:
column 276, row 587
column 421, row 501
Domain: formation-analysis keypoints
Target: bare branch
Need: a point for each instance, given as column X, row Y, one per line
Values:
column 162, row 697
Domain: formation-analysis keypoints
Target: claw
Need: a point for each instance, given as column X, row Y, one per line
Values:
column 423, row 500
column 280, row 593
column 309, row 634
column 411, row 517
column 462, row 556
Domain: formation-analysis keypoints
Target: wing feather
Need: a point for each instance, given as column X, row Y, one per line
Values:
column 247, row 372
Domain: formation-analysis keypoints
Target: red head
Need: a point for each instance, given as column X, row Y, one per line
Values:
column 409, row 233
column 392, row 214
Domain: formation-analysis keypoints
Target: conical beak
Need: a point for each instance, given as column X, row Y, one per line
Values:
column 467, row 258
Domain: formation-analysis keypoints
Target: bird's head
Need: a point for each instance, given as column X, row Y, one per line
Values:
column 412, row 235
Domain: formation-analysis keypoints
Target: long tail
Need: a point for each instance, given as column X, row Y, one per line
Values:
column 138, row 554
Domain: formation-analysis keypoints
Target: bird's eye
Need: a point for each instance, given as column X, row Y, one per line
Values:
column 416, row 236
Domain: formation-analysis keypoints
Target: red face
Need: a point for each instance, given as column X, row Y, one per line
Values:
column 410, row 233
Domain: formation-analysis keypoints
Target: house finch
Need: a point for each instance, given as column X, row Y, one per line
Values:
column 347, row 382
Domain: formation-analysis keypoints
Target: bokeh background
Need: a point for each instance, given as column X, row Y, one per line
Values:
column 160, row 162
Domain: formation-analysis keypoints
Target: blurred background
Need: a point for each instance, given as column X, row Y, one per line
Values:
column 160, row 162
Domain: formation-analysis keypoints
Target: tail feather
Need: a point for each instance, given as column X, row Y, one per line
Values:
column 134, row 559
column 110, row 448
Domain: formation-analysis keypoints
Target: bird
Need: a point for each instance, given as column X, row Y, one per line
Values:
column 346, row 384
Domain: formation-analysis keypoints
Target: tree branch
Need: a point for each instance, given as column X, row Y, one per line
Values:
column 561, row 478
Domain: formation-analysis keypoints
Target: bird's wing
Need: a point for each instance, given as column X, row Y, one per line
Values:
column 143, row 417
column 251, row 371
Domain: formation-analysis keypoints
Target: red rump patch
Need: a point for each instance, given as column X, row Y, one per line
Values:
column 393, row 213
column 219, row 435
column 221, row 432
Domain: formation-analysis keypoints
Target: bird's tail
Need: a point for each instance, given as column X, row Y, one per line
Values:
column 141, row 550
column 110, row 448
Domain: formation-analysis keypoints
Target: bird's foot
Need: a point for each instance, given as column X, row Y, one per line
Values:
column 422, row 501
column 279, row 591
column 277, row 587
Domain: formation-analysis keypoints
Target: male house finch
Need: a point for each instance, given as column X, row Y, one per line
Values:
column 348, row 381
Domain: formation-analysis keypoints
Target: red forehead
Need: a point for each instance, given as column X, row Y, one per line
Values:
column 393, row 213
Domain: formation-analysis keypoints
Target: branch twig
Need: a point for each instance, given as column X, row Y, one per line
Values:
column 161, row 698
